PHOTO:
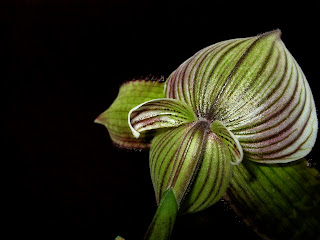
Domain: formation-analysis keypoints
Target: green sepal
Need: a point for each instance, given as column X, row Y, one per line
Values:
column 280, row 201
column 115, row 118
column 164, row 219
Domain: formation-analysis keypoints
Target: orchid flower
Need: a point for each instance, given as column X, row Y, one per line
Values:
column 239, row 100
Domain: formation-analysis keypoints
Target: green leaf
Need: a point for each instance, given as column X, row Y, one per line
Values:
column 159, row 113
column 115, row 118
column 280, row 201
column 164, row 219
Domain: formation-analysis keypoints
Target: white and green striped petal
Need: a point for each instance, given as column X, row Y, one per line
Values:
column 255, row 88
column 190, row 159
column 213, row 177
column 175, row 155
column 159, row 113
column 229, row 139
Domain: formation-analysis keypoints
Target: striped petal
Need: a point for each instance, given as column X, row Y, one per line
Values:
column 159, row 113
column 115, row 118
column 230, row 140
column 190, row 159
column 213, row 177
column 175, row 155
column 255, row 88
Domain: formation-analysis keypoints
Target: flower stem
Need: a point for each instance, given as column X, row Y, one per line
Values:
column 163, row 221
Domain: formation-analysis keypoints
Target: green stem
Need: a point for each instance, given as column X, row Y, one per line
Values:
column 163, row 221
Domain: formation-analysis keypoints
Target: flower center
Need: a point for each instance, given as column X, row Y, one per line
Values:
column 205, row 121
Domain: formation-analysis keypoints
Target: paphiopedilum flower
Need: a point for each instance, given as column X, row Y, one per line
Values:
column 239, row 98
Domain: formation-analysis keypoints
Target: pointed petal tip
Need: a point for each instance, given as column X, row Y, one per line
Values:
column 276, row 33
column 101, row 119
column 98, row 120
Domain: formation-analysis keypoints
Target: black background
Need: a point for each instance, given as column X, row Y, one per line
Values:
column 63, row 64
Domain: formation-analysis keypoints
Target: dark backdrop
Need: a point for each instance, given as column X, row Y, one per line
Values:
column 63, row 63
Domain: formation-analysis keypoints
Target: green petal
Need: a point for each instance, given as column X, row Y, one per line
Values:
column 276, row 121
column 159, row 113
column 229, row 139
column 213, row 178
column 115, row 118
column 279, row 201
column 193, row 161
column 257, row 90
column 175, row 155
